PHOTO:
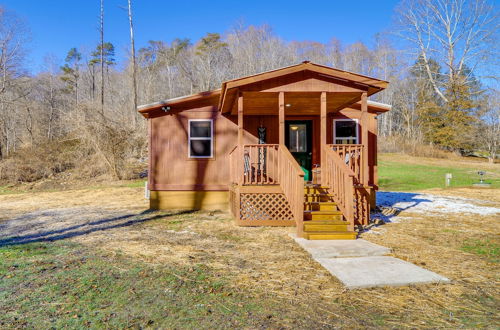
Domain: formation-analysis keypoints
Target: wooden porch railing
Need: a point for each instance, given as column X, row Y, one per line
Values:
column 291, row 178
column 342, row 175
column 260, row 164
column 266, row 186
column 353, row 157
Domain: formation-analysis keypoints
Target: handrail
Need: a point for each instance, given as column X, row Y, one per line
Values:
column 291, row 178
column 344, row 185
column 353, row 156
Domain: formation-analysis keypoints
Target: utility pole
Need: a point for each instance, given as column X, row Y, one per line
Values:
column 134, row 68
column 102, row 57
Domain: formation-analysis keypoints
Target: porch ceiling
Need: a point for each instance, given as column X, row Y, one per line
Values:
column 296, row 103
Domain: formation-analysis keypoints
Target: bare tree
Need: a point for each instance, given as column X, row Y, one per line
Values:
column 458, row 34
column 134, row 66
column 489, row 128
column 13, row 37
column 101, row 30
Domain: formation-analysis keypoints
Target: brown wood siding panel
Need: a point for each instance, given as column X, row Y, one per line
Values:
column 170, row 165
column 171, row 169
column 304, row 81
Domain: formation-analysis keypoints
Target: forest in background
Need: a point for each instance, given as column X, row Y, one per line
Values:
column 77, row 118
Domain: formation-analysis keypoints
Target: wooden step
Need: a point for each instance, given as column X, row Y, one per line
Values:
column 315, row 190
column 320, row 206
column 323, row 215
column 326, row 222
column 318, row 198
column 311, row 227
column 330, row 235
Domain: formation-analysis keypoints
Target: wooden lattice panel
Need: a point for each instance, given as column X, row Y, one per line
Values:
column 264, row 207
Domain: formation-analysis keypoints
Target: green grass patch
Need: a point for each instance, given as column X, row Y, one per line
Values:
column 134, row 183
column 399, row 176
column 482, row 247
column 5, row 190
column 61, row 284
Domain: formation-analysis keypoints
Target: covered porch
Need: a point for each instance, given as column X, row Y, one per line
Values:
column 285, row 148
column 290, row 165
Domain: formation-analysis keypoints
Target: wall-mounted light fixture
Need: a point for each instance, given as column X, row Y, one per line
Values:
column 165, row 109
column 288, row 105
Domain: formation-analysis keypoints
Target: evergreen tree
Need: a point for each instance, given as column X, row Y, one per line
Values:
column 71, row 71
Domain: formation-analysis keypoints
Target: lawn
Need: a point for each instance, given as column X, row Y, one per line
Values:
column 62, row 284
column 96, row 258
column 406, row 173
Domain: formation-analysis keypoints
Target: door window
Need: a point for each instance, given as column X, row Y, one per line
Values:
column 297, row 138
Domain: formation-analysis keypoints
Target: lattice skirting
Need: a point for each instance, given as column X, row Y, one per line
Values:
column 268, row 207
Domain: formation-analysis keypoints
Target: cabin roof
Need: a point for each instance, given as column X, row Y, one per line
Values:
column 373, row 86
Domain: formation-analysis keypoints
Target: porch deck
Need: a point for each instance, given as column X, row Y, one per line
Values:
column 267, row 188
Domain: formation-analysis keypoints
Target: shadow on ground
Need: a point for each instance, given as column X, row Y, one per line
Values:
column 390, row 204
column 57, row 224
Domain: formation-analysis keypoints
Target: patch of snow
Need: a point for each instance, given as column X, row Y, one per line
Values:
column 432, row 204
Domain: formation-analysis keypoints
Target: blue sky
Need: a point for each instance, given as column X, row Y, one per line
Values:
column 57, row 25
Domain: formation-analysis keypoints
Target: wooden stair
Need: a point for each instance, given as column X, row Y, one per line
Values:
column 322, row 218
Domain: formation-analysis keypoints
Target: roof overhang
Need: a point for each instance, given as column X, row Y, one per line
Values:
column 373, row 106
column 147, row 109
column 365, row 83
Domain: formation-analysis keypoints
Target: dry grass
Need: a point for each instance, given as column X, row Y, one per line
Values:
column 12, row 205
column 266, row 263
column 453, row 161
column 483, row 194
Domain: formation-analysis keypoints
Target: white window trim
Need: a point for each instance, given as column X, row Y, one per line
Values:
column 357, row 129
column 211, row 138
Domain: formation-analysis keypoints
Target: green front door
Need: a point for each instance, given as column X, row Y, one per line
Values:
column 298, row 139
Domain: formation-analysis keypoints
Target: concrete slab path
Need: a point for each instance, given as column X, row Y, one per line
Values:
column 362, row 264
column 369, row 272
column 341, row 248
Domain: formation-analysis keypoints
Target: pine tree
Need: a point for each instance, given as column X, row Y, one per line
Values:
column 71, row 72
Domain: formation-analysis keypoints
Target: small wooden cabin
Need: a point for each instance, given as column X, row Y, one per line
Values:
column 296, row 146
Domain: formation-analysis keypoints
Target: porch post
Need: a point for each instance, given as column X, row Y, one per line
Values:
column 281, row 101
column 364, row 136
column 240, row 139
column 323, row 126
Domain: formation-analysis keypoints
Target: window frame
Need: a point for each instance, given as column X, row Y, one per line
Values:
column 345, row 119
column 211, row 138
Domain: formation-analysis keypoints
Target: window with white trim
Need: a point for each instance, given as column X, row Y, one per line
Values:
column 345, row 131
column 201, row 142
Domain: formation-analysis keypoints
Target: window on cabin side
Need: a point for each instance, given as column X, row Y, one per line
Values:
column 345, row 131
column 200, row 138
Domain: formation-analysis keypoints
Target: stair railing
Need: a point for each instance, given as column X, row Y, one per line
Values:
column 353, row 157
column 344, row 184
column 291, row 178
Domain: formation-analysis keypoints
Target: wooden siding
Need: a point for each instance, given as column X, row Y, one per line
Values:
column 170, row 166
column 172, row 169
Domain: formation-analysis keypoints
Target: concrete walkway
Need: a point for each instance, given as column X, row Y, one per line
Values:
column 362, row 264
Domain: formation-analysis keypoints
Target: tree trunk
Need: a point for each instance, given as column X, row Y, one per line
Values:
column 102, row 57
column 134, row 68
